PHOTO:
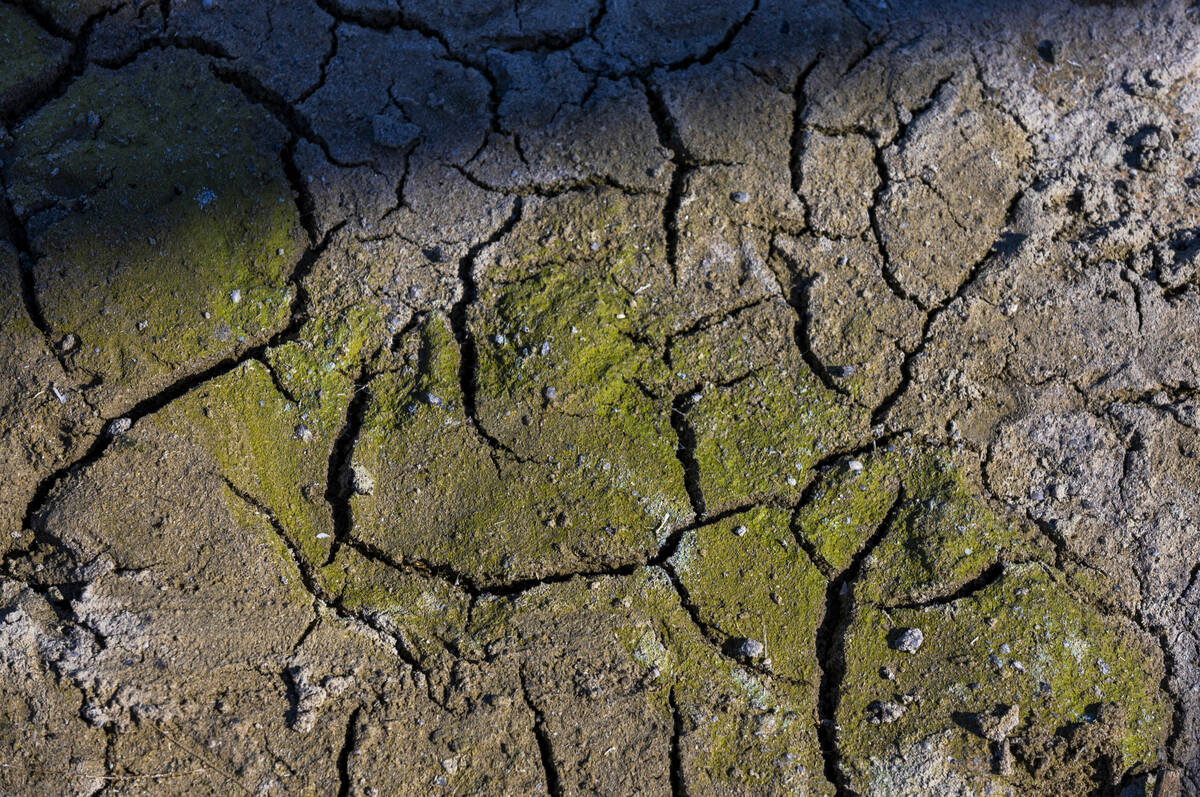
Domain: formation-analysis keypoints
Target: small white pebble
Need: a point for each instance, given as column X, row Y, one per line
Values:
column 235, row 295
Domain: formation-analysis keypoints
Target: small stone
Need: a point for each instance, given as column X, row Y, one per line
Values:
column 855, row 466
column 1050, row 50
column 433, row 399
column 740, row 197
column 68, row 342
column 498, row 701
column 1059, row 491
column 885, row 711
column 499, row 340
column 767, row 726
column 118, row 426
column 361, row 480
column 337, row 684
column 887, row 673
column 750, row 649
column 740, row 531
column 303, row 433
column 141, row 325
column 235, row 295
column 549, row 393
column 908, row 640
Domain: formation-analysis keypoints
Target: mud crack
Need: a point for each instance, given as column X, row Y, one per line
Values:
column 545, row 747
column 830, row 646
column 468, row 368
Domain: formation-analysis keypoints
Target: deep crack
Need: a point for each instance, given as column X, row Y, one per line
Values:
column 830, row 647
column 339, row 478
column 468, row 368
column 545, row 747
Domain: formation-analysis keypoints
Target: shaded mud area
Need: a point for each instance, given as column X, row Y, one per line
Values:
column 573, row 397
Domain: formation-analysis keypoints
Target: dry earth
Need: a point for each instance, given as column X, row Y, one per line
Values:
column 590, row 396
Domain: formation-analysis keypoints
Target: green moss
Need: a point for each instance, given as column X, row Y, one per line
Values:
column 749, row 579
column 428, row 613
column 203, row 273
column 941, row 537
column 761, row 419
column 563, row 332
column 1055, row 657
column 319, row 366
column 248, row 518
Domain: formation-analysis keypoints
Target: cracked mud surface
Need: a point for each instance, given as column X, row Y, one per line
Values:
column 575, row 397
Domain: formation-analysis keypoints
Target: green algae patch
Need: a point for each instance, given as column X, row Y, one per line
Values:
column 941, row 537
column 433, row 475
column 562, row 380
column 847, row 506
column 263, row 447
column 759, row 417
column 748, row 579
column 318, row 367
column 630, row 646
column 203, row 273
column 30, row 58
column 588, row 499
column 758, row 439
column 1025, row 640
column 426, row 614
column 597, row 233
column 567, row 337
